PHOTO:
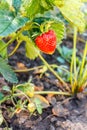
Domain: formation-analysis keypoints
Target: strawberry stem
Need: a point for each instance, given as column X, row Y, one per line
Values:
column 45, row 92
column 15, row 49
column 26, row 27
column 39, row 67
column 52, row 92
column 49, row 67
column 11, row 41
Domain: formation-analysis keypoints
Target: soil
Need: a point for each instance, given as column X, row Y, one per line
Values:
column 64, row 113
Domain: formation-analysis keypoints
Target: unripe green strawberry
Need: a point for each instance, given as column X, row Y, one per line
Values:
column 47, row 42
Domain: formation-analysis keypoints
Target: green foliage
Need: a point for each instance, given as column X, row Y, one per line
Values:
column 27, row 88
column 65, row 53
column 31, row 51
column 84, row 0
column 53, row 23
column 80, row 80
column 46, row 4
column 1, row 96
column 34, row 7
column 4, row 5
column 17, row 4
column 64, row 57
column 6, row 88
column 38, row 105
column 4, row 52
column 72, row 12
column 9, row 22
column 58, row 3
column 64, row 74
column 59, row 29
column 7, row 72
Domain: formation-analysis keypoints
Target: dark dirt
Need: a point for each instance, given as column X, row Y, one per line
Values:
column 71, row 114
column 64, row 113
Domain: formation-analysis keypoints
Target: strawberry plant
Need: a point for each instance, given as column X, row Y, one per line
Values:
column 29, row 21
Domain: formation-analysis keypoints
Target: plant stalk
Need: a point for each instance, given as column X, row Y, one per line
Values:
column 73, row 62
column 45, row 92
column 53, row 92
column 10, row 42
column 74, row 51
column 83, row 59
column 15, row 49
column 49, row 67
column 26, row 27
column 38, row 67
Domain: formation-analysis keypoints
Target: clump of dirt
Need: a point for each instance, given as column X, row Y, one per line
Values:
column 69, row 114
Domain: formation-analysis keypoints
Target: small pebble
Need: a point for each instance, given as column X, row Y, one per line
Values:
column 60, row 111
column 58, row 123
column 53, row 119
column 59, row 128
column 52, row 127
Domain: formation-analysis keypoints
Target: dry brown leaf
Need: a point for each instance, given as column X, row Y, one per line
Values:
column 21, row 65
column 38, row 88
column 18, row 110
column 59, row 110
column 42, row 99
column 51, row 100
column 50, row 95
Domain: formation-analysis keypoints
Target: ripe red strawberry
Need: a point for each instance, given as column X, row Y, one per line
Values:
column 47, row 42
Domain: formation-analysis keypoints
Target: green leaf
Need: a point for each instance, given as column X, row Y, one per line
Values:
column 59, row 29
column 72, row 12
column 27, row 88
column 1, row 96
column 17, row 4
column 10, row 23
column 4, row 52
column 31, row 51
column 84, row 0
column 61, row 60
column 6, row 88
column 59, row 2
column 38, row 105
column 7, row 72
column 4, row 4
column 65, row 53
column 46, row 4
column 32, row 8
